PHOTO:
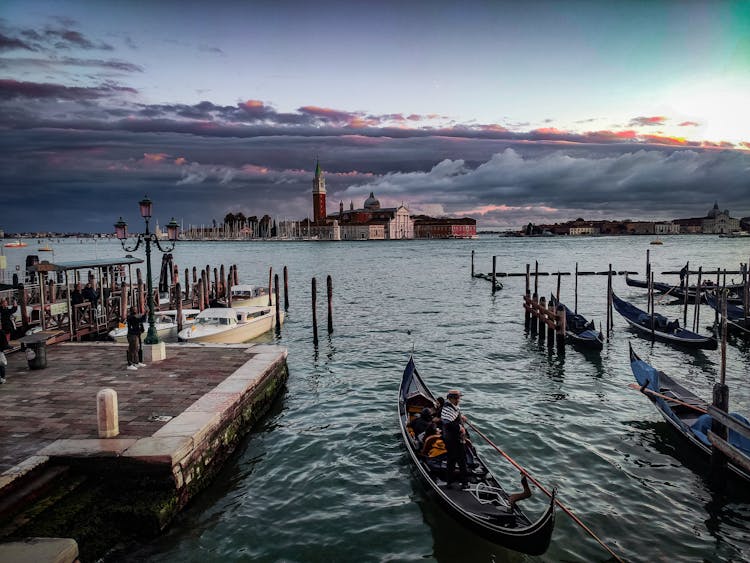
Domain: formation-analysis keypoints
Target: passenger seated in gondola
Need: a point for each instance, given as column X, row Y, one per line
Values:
column 673, row 326
column 433, row 447
column 421, row 422
column 515, row 497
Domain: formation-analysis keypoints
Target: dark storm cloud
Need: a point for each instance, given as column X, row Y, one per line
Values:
column 49, row 38
column 87, row 149
column 18, row 63
column 13, row 89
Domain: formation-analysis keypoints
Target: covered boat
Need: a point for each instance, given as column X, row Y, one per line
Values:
column 684, row 410
column 484, row 506
column 663, row 329
column 580, row 331
column 248, row 295
column 230, row 325
column 165, row 323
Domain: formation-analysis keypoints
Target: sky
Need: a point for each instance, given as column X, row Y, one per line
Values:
column 508, row 112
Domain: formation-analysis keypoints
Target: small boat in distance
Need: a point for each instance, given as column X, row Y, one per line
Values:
column 664, row 330
column 230, row 325
column 656, row 241
column 484, row 505
column 684, row 410
column 15, row 244
column 45, row 248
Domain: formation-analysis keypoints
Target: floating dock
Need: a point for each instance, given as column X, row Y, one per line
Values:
column 179, row 419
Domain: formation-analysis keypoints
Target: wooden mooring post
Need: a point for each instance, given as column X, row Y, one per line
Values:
column 329, row 291
column 494, row 274
column 178, row 293
column 270, row 287
column 721, row 396
column 472, row 263
column 527, row 299
column 697, row 301
column 315, row 311
column 575, row 306
column 229, row 285
column 685, row 287
column 278, row 303
column 651, row 301
column 560, row 328
column 542, row 310
column 286, row 289
column 550, row 319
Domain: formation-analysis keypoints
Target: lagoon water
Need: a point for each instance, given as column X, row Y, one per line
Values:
column 325, row 477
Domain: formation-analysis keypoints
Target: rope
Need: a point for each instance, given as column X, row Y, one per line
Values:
column 546, row 492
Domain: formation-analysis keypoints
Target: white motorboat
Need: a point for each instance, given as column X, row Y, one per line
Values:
column 165, row 323
column 230, row 325
column 247, row 295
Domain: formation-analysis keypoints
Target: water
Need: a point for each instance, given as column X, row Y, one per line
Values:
column 326, row 478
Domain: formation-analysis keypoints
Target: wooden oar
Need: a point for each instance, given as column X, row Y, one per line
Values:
column 546, row 492
column 646, row 390
column 665, row 295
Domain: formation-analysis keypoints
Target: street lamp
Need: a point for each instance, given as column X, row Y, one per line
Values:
column 121, row 231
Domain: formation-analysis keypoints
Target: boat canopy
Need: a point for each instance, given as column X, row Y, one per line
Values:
column 218, row 313
column 46, row 266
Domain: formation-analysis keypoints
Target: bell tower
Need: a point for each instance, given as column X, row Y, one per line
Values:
column 319, row 195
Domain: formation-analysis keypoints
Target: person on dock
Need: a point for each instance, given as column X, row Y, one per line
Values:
column 135, row 329
column 454, row 436
column 7, row 323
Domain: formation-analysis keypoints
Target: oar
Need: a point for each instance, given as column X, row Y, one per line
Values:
column 546, row 492
column 665, row 295
column 655, row 394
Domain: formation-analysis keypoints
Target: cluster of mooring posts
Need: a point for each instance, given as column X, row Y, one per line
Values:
column 52, row 301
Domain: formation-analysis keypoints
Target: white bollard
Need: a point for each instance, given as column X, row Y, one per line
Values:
column 106, row 413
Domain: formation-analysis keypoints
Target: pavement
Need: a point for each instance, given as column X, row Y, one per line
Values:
column 38, row 407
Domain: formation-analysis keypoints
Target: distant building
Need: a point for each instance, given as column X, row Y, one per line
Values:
column 719, row 222
column 580, row 227
column 693, row 226
column 639, row 228
column 666, row 228
column 319, row 195
column 392, row 222
column 444, row 227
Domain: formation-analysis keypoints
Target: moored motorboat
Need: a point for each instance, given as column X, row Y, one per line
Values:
column 248, row 295
column 484, row 505
column 580, row 331
column 684, row 410
column 661, row 329
column 165, row 323
column 15, row 244
column 230, row 325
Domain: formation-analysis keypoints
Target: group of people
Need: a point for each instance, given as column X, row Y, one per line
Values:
column 88, row 293
column 441, row 432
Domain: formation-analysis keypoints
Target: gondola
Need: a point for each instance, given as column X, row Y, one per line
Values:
column 580, row 331
column 483, row 506
column 678, row 292
column 664, row 330
column 736, row 320
column 691, row 421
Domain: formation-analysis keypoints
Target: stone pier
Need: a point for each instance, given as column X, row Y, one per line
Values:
column 179, row 419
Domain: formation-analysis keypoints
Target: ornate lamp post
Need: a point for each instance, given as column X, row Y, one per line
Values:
column 121, row 230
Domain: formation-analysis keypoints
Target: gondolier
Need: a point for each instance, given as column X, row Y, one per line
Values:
column 454, row 436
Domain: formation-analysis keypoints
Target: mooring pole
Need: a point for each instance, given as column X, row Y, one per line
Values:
column 685, row 297
column 527, row 300
column 315, row 311
column 542, row 317
column 187, row 286
column 575, row 310
column 236, row 278
column 329, row 290
column 286, row 289
column 721, row 395
column 494, row 265
column 651, row 299
column 472, row 263
column 229, row 285
column 609, row 300
column 648, row 264
column 550, row 316
column 222, row 277
column 560, row 325
column 557, row 295
column 179, row 306
column 278, row 303
column 270, row 287
column 201, row 294
column 697, row 301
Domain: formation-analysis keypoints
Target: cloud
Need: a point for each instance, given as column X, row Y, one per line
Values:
column 13, row 43
column 647, row 121
column 689, row 124
column 13, row 89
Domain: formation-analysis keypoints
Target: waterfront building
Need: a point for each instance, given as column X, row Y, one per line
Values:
column 719, row 222
column 666, row 228
column 444, row 227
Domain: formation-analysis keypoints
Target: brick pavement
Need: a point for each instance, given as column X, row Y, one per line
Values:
column 38, row 407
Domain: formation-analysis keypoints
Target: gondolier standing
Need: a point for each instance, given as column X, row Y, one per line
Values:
column 454, row 436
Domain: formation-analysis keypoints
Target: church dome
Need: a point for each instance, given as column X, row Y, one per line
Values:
column 714, row 212
column 371, row 202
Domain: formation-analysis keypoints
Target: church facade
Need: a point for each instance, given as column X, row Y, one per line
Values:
column 719, row 222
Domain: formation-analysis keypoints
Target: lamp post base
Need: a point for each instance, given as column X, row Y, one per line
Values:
column 154, row 352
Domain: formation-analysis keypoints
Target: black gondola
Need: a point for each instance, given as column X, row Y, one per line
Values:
column 663, row 329
column 678, row 292
column 688, row 418
column 736, row 320
column 483, row 506
column 580, row 331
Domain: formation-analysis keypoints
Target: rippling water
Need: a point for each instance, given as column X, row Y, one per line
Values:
column 326, row 478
